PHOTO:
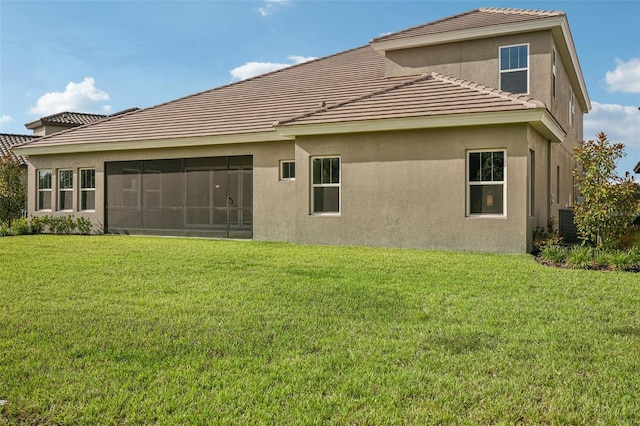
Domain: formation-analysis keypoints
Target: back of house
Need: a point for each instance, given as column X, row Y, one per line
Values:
column 456, row 134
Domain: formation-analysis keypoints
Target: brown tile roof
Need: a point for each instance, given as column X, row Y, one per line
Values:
column 247, row 106
column 66, row 118
column 350, row 85
column 477, row 18
column 8, row 140
column 427, row 95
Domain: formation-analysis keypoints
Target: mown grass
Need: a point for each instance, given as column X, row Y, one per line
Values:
column 126, row 330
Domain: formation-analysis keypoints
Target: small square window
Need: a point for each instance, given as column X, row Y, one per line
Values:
column 287, row 170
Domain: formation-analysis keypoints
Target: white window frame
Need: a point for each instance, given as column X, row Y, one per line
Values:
column 326, row 185
column 42, row 190
column 511, row 70
column 502, row 183
column 64, row 190
column 553, row 72
column 84, row 190
column 282, row 177
column 572, row 109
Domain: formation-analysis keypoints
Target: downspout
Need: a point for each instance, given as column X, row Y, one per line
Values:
column 549, row 193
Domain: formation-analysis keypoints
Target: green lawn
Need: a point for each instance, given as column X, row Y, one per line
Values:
column 127, row 330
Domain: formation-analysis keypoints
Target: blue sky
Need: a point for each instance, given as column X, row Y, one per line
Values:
column 106, row 56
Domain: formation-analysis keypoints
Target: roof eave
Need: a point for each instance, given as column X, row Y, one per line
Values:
column 539, row 119
column 468, row 34
column 160, row 143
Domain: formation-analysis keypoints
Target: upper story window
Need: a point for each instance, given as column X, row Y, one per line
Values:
column 572, row 109
column 553, row 73
column 514, row 68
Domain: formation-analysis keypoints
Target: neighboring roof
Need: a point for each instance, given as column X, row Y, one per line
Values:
column 66, row 119
column 8, row 140
column 637, row 168
column 345, row 87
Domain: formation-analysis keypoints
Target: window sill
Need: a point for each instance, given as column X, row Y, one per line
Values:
column 337, row 214
column 486, row 216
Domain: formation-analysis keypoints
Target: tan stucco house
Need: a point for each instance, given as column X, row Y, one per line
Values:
column 456, row 134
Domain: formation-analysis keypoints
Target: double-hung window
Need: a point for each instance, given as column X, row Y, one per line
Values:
column 44, row 190
column 514, row 68
column 486, row 182
column 572, row 109
column 325, row 185
column 553, row 73
column 87, row 189
column 65, row 189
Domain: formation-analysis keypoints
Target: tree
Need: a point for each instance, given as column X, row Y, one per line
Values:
column 13, row 190
column 608, row 207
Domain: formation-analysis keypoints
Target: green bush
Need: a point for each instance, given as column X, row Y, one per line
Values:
column 581, row 257
column 37, row 224
column 5, row 231
column 622, row 261
column 21, row 226
column 553, row 253
column 84, row 225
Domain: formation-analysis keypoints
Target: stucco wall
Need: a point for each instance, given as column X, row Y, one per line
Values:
column 477, row 61
column 408, row 189
column 273, row 203
column 398, row 189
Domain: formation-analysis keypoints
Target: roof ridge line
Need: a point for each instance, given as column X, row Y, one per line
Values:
column 104, row 119
column 510, row 10
column 417, row 79
column 457, row 15
column 525, row 100
column 19, row 134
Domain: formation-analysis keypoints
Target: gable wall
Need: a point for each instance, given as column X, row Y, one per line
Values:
column 477, row 61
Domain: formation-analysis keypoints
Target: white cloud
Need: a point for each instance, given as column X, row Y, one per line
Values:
column 251, row 69
column 620, row 123
column 6, row 119
column 625, row 78
column 80, row 97
column 271, row 7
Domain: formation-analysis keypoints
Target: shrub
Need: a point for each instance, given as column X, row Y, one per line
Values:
column 37, row 224
column 21, row 226
column 553, row 254
column 581, row 257
column 621, row 261
column 84, row 225
column 5, row 231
